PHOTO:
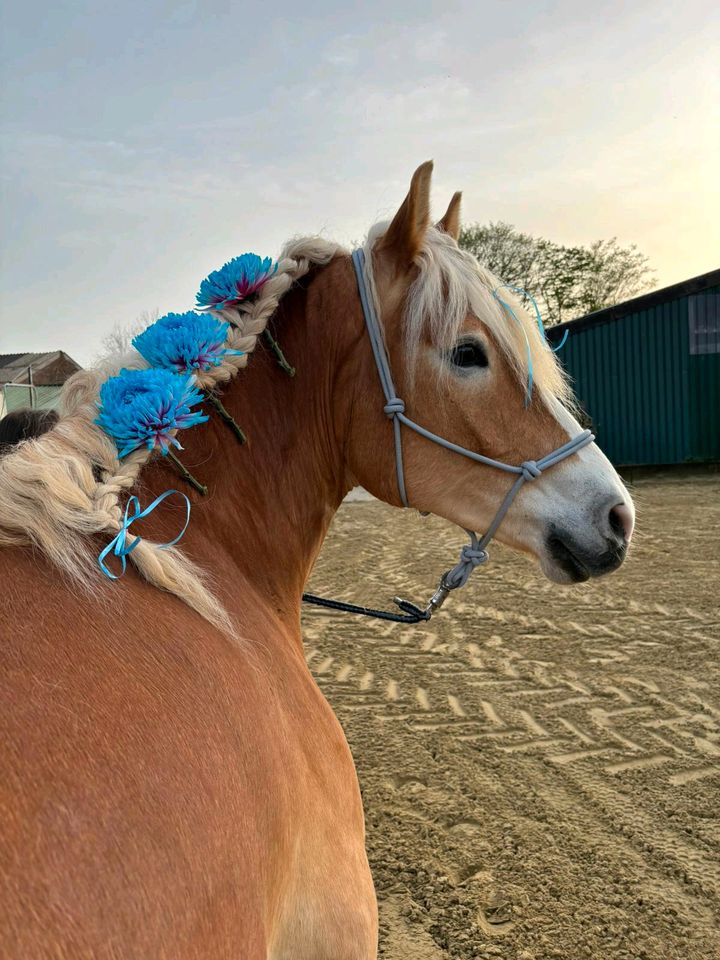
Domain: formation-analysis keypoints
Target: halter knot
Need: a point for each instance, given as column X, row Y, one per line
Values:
column 393, row 407
column 471, row 556
column 530, row 470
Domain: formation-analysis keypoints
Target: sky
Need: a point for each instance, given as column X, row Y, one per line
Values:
column 143, row 144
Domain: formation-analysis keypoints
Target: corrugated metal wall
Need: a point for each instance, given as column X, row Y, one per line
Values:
column 650, row 400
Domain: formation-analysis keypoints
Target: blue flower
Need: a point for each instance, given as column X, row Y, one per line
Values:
column 236, row 281
column 184, row 342
column 143, row 406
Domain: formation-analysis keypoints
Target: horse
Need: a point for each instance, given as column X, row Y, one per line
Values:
column 24, row 424
column 173, row 782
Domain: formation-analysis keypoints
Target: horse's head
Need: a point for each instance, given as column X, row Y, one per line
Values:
column 460, row 361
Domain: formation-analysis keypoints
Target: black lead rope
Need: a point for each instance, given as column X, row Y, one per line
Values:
column 412, row 613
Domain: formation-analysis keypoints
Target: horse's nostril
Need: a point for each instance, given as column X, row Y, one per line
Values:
column 621, row 521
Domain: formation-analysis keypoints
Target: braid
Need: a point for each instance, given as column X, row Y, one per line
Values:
column 66, row 485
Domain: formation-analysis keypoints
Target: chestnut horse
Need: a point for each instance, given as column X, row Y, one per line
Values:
column 168, row 790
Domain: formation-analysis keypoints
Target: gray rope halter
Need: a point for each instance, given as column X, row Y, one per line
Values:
column 474, row 553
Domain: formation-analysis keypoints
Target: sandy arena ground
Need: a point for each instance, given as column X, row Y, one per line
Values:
column 540, row 765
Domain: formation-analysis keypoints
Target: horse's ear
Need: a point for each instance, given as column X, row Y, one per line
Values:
column 450, row 223
column 405, row 235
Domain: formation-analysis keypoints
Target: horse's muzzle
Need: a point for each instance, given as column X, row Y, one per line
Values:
column 578, row 562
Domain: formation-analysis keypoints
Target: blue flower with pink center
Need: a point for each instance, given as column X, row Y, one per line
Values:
column 236, row 281
column 145, row 407
column 185, row 342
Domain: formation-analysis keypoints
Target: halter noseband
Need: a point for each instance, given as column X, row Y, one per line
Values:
column 474, row 553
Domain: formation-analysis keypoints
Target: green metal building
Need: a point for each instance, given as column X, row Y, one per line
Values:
column 647, row 373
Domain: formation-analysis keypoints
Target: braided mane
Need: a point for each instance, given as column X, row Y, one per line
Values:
column 58, row 490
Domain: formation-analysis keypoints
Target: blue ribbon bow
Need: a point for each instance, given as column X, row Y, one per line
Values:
column 119, row 544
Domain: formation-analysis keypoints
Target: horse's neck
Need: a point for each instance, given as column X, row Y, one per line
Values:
column 270, row 502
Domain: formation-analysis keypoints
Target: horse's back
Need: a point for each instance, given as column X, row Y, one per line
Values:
column 145, row 768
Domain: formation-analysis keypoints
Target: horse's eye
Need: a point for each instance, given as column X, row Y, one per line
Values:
column 468, row 353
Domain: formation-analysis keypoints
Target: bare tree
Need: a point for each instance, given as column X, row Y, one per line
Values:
column 119, row 341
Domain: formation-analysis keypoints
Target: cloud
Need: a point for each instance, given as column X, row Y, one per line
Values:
column 342, row 51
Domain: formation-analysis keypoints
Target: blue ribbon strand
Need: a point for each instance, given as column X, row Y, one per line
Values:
column 541, row 328
column 119, row 544
column 528, row 393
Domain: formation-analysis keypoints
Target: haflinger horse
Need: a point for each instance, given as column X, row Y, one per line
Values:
column 173, row 782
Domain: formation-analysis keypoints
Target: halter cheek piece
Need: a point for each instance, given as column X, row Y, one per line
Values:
column 474, row 553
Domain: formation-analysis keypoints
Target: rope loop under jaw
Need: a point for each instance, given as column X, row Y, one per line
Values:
column 472, row 555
